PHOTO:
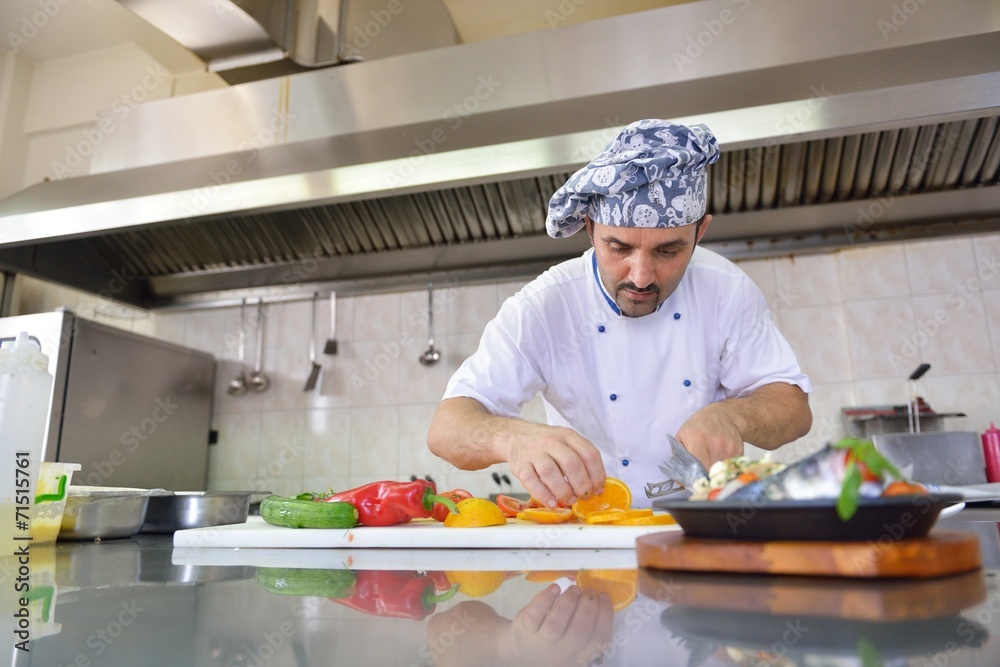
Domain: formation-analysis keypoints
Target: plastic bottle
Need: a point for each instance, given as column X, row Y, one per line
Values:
column 25, row 394
column 991, row 452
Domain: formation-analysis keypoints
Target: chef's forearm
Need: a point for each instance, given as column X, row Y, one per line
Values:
column 770, row 416
column 467, row 435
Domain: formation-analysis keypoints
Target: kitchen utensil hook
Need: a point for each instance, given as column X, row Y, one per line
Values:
column 238, row 385
column 913, row 407
column 430, row 356
column 258, row 380
column 315, row 368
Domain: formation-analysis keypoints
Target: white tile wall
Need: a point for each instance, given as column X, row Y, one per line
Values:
column 860, row 319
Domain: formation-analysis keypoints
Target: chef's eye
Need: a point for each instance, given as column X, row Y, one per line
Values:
column 667, row 253
column 619, row 250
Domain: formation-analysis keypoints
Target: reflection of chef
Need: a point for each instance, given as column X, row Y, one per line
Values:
column 556, row 628
column 646, row 334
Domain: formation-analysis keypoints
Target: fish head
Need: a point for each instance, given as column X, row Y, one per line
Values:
column 682, row 466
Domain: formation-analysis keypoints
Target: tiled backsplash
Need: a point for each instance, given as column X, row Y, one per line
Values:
column 860, row 320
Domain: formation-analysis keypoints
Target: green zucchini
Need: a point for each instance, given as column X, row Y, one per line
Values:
column 299, row 581
column 295, row 513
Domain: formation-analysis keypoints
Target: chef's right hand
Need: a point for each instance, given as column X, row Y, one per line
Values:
column 555, row 464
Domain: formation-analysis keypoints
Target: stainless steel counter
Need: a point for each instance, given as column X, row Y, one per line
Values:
column 141, row 602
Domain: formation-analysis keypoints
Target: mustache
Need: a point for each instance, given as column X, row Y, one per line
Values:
column 652, row 289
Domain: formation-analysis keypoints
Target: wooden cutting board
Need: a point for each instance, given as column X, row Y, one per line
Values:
column 419, row 534
column 940, row 553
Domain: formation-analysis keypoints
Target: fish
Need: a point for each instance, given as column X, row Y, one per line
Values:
column 820, row 475
column 682, row 466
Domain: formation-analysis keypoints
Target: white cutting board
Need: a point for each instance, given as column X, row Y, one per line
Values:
column 419, row 534
column 483, row 560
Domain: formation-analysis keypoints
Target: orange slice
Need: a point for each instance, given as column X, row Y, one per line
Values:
column 620, row 585
column 651, row 520
column 607, row 516
column 474, row 513
column 616, row 496
column 546, row 515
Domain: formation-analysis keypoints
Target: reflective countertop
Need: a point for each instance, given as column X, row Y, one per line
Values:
column 140, row 601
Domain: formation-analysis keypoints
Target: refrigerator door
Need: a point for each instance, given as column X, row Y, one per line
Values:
column 137, row 410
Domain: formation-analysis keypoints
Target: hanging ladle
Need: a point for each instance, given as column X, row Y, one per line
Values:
column 238, row 385
column 258, row 380
column 430, row 356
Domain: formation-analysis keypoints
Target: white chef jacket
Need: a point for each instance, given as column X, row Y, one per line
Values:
column 622, row 382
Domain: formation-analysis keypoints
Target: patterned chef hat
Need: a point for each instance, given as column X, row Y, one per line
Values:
column 653, row 174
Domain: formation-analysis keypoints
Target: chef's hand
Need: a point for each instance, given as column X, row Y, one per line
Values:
column 569, row 628
column 554, row 629
column 711, row 435
column 554, row 463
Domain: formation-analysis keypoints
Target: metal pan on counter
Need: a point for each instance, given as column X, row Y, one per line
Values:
column 104, row 513
column 197, row 509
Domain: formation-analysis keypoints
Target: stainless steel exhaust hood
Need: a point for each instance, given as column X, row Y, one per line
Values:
column 839, row 122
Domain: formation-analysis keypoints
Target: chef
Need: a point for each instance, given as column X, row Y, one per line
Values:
column 645, row 334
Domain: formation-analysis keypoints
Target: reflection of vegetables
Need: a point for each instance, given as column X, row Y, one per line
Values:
column 300, row 581
column 301, row 513
column 441, row 511
column 376, row 592
column 390, row 503
column 392, row 594
column 476, row 584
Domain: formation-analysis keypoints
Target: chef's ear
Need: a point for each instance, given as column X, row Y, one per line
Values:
column 701, row 226
column 590, row 228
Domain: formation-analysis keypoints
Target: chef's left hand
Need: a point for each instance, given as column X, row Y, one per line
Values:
column 711, row 435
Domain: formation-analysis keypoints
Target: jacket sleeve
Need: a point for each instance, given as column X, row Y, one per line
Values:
column 506, row 371
column 754, row 352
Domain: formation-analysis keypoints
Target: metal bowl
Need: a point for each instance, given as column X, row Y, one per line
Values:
column 103, row 513
column 196, row 509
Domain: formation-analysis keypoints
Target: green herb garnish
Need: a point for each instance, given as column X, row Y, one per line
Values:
column 850, row 491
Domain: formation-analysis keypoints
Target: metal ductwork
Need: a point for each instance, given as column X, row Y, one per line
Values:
column 840, row 123
column 248, row 40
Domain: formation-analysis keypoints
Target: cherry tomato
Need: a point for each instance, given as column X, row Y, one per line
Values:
column 510, row 505
column 457, row 495
column 900, row 488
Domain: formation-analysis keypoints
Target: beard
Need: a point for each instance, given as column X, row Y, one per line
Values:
column 633, row 308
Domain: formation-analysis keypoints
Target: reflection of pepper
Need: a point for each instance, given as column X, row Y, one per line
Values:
column 393, row 594
column 391, row 503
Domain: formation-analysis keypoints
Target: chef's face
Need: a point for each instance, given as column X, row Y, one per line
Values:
column 640, row 267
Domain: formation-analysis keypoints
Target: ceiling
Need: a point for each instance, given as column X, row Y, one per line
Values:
column 82, row 26
column 833, row 133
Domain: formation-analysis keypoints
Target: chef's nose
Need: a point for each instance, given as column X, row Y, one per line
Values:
column 641, row 272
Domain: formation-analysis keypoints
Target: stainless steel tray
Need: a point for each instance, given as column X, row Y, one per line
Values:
column 99, row 513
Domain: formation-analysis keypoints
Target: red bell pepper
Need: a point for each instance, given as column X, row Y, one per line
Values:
column 392, row 594
column 392, row 503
